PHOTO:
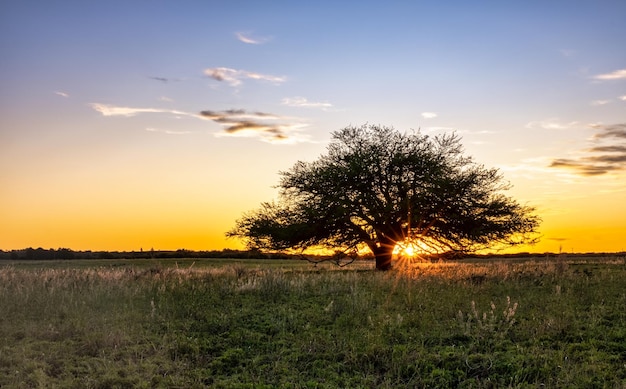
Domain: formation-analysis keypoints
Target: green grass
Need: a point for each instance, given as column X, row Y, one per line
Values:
column 208, row 323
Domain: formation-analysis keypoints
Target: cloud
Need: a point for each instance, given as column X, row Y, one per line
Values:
column 268, row 127
column 235, row 122
column 551, row 124
column 533, row 167
column 596, row 103
column 610, row 131
column 113, row 110
column 615, row 75
column 62, row 94
column 608, row 149
column 582, row 166
column 168, row 132
column 623, row 98
column 607, row 155
column 234, row 77
column 303, row 102
column 165, row 80
column 248, row 38
column 437, row 129
column 429, row 115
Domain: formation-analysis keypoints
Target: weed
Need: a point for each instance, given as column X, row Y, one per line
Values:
column 490, row 324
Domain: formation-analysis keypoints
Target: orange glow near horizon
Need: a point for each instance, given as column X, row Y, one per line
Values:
column 83, row 219
column 51, row 224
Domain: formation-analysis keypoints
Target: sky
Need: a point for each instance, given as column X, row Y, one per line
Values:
column 128, row 125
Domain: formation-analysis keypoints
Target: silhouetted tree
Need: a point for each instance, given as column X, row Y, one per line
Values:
column 377, row 187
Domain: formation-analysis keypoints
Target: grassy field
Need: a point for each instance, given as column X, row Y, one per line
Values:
column 553, row 322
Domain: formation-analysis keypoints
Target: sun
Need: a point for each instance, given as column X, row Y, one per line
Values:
column 405, row 249
column 409, row 251
column 409, row 247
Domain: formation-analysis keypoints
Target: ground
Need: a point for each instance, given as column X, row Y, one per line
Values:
column 549, row 321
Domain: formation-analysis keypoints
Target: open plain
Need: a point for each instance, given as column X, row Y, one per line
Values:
column 532, row 322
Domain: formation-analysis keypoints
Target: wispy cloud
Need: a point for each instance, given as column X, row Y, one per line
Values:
column 249, row 38
column 303, row 102
column 438, row 129
column 235, row 77
column 533, row 167
column 168, row 132
column 114, row 110
column 165, row 80
column 623, row 98
column 268, row 127
column 429, row 115
column 610, row 131
column 608, row 153
column 235, row 122
column 597, row 103
column 615, row 75
column 62, row 94
column 552, row 124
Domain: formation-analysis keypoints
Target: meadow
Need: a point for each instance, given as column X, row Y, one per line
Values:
column 537, row 322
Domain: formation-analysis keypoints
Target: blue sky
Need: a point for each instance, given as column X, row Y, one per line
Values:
column 158, row 123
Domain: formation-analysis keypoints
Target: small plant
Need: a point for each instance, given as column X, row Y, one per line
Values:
column 489, row 324
column 561, row 264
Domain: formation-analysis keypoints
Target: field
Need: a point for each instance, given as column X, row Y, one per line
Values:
column 542, row 322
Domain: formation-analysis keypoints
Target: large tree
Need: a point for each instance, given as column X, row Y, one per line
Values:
column 377, row 187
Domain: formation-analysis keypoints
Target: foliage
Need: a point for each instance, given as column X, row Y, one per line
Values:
column 377, row 187
column 242, row 324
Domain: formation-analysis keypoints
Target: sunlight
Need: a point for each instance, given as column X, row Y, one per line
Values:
column 405, row 249
column 409, row 252
column 410, row 248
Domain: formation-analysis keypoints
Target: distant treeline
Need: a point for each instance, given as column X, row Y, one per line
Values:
column 64, row 253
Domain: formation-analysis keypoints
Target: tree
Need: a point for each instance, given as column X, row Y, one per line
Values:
column 377, row 187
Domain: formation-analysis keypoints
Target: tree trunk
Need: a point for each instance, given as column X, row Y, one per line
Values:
column 383, row 256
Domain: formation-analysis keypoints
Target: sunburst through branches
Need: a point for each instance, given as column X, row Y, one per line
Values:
column 410, row 251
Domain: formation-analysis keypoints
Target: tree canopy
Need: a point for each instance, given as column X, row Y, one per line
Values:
column 377, row 187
